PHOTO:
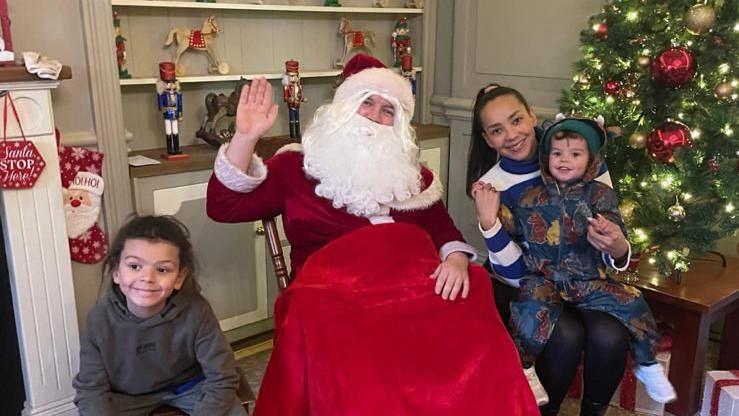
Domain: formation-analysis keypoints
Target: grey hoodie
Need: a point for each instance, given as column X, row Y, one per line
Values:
column 122, row 353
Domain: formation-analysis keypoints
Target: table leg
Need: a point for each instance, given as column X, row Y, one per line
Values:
column 728, row 358
column 687, row 364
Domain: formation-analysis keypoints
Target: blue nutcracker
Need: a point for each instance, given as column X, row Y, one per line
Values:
column 169, row 99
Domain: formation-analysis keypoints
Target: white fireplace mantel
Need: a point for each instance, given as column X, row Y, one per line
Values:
column 38, row 261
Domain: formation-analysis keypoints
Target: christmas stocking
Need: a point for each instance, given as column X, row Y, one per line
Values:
column 83, row 189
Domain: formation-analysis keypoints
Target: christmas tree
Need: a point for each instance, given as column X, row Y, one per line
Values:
column 666, row 73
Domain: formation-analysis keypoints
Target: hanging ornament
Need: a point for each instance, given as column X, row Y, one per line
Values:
column 644, row 61
column 601, row 30
column 724, row 90
column 583, row 80
column 612, row 87
column 673, row 67
column 717, row 40
column 638, row 140
column 700, row 18
column 713, row 165
column 676, row 212
column 667, row 137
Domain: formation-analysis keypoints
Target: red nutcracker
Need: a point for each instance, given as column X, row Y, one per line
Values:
column 407, row 72
column 292, row 94
column 401, row 41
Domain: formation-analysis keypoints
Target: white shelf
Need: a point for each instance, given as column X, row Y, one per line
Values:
column 263, row 7
column 236, row 77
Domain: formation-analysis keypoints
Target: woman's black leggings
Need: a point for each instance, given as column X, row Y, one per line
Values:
column 605, row 342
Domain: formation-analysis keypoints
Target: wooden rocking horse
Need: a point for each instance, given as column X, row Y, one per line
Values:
column 354, row 41
column 200, row 40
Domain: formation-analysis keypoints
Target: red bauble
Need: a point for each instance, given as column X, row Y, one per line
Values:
column 601, row 31
column 612, row 87
column 667, row 137
column 673, row 67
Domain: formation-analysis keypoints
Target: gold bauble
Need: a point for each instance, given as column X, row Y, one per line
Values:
column 724, row 90
column 700, row 18
column 676, row 212
column 638, row 140
column 644, row 61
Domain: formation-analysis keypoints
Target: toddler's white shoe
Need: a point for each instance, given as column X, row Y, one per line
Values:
column 658, row 386
column 540, row 394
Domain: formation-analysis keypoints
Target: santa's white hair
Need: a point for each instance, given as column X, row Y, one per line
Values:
column 360, row 164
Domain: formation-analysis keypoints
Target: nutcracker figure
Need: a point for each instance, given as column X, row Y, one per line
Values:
column 292, row 93
column 169, row 98
column 407, row 72
column 401, row 41
column 120, row 48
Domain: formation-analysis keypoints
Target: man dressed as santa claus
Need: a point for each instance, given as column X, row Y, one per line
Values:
column 361, row 330
column 358, row 165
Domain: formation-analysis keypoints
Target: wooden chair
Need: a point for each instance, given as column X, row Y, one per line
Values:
column 243, row 392
column 272, row 236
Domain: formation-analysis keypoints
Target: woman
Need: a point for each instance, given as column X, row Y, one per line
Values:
column 503, row 152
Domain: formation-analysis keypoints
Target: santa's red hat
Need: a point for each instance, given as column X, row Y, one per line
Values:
column 364, row 73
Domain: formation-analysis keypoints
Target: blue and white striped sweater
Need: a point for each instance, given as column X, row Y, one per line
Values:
column 511, row 178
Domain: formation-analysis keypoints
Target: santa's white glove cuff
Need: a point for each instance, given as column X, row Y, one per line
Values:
column 452, row 246
column 234, row 178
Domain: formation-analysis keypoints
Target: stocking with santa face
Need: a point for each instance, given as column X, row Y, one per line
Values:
column 83, row 189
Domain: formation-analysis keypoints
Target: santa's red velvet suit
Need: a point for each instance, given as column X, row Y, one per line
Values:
column 310, row 221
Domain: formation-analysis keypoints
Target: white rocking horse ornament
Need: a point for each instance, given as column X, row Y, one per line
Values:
column 354, row 41
column 201, row 40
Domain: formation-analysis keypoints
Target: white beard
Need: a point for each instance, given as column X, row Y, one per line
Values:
column 360, row 164
column 81, row 219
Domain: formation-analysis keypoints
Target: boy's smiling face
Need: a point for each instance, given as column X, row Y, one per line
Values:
column 568, row 159
column 148, row 273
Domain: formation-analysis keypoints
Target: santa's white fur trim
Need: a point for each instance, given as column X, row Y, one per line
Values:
column 425, row 199
column 379, row 80
column 234, row 178
column 290, row 147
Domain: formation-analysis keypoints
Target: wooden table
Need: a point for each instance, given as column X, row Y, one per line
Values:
column 707, row 293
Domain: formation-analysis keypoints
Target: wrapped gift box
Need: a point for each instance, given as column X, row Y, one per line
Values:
column 721, row 394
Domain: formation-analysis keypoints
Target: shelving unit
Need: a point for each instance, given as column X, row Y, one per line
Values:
column 225, row 78
column 264, row 7
column 255, row 40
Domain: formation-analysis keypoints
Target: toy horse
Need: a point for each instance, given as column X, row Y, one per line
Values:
column 201, row 40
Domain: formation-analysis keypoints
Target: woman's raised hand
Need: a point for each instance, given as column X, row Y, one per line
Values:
column 487, row 204
column 256, row 111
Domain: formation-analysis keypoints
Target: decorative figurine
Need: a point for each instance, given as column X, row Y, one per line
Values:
column 120, row 48
column 169, row 99
column 219, row 123
column 292, row 93
column 381, row 3
column 201, row 40
column 354, row 41
column 414, row 4
column 407, row 71
column 401, row 41
column 332, row 3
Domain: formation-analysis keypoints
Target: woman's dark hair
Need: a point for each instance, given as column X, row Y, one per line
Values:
column 154, row 228
column 482, row 157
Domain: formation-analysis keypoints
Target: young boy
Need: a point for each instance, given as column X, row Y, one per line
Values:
column 153, row 339
column 562, row 221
